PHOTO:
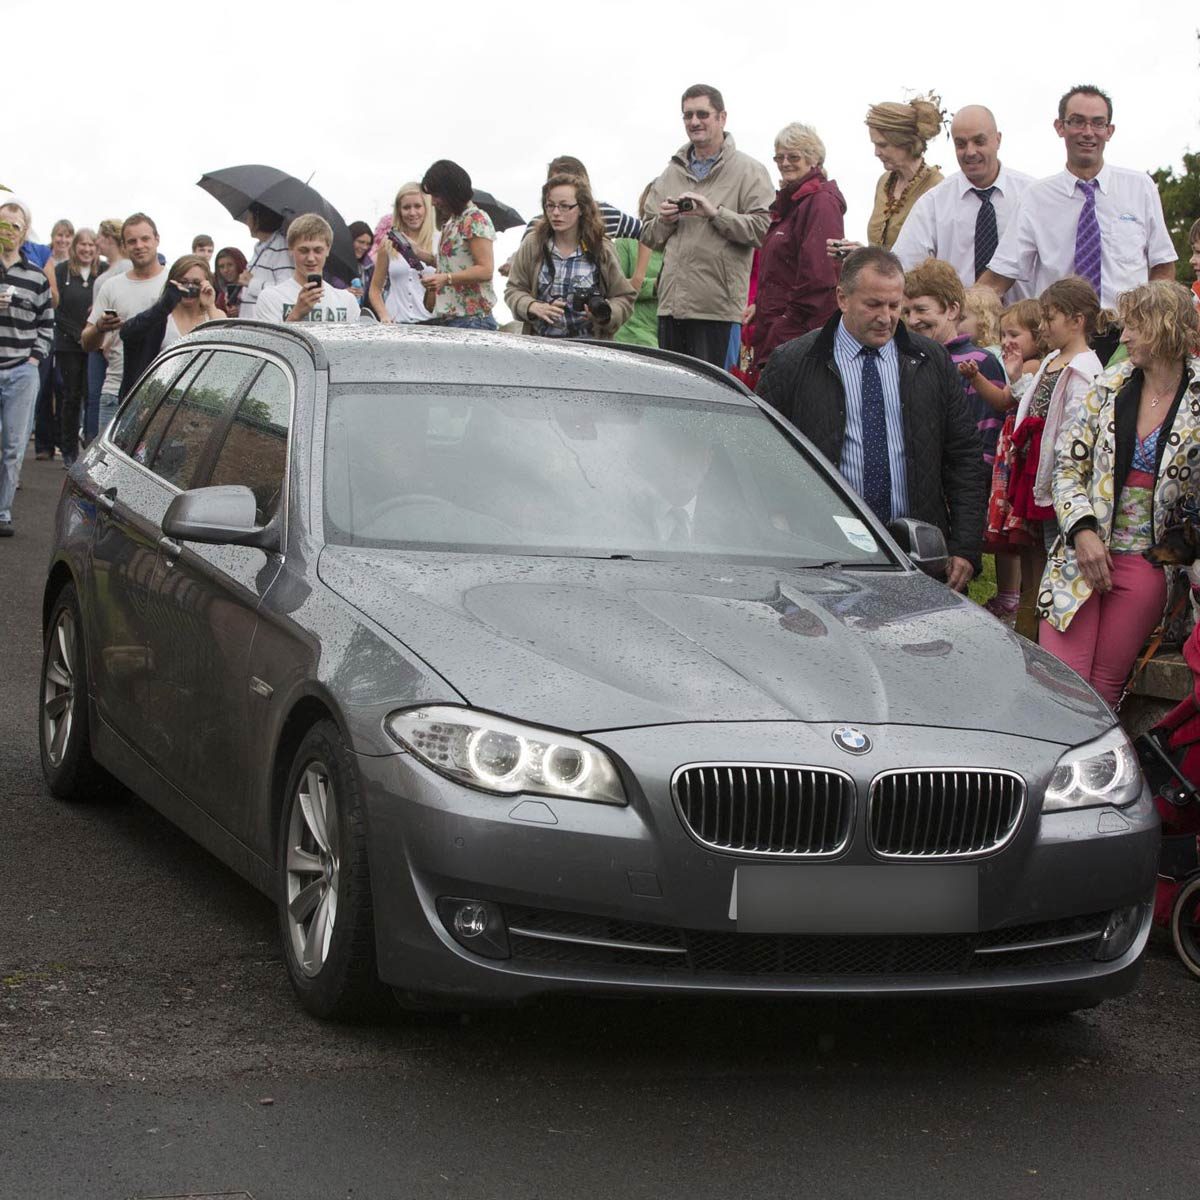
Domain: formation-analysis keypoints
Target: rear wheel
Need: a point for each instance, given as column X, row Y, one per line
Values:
column 63, row 736
column 325, row 911
column 1185, row 924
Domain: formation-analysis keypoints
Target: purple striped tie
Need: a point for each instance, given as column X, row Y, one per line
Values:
column 1087, row 235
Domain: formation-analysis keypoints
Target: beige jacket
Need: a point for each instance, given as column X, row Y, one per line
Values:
column 521, row 291
column 706, row 263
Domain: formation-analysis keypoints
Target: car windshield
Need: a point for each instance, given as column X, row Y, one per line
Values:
column 539, row 471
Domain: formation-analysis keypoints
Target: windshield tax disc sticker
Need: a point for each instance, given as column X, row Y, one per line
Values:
column 857, row 534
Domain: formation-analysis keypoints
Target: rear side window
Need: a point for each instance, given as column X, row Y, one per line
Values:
column 203, row 409
column 254, row 452
column 144, row 398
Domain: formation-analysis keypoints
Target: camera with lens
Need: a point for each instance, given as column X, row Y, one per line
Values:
column 593, row 302
column 685, row 205
column 191, row 291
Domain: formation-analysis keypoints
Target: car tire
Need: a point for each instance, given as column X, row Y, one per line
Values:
column 1185, row 925
column 325, row 911
column 64, row 737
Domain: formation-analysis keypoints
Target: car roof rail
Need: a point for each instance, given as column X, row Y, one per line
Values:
column 699, row 365
column 296, row 332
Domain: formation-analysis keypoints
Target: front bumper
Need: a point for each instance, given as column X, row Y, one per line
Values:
column 623, row 898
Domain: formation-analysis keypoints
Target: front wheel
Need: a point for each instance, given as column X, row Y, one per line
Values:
column 325, row 912
column 1185, row 924
column 63, row 738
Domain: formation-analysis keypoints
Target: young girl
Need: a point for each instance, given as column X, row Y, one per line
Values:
column 1005, row 534
column 980, row 320
column 1070, row 309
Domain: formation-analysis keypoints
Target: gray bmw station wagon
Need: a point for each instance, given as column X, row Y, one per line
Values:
column 509, row 668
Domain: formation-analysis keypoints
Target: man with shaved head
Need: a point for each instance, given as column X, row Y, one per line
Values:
column 962, row 220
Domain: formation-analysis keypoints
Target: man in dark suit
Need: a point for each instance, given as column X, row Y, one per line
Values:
column 887, row 407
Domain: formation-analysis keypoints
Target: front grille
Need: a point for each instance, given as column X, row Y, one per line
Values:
column 539, row 936
column 765, row 809
column 943, row 814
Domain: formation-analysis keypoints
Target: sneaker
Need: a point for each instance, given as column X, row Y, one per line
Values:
column 6, row 529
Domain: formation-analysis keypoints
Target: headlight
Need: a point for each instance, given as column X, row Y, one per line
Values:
column 496, row 755
column 1105, row 771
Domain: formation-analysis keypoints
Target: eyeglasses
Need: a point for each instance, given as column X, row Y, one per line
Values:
column 1075, row 121
column 791, row 159
column 560, row 207
column 699, row 114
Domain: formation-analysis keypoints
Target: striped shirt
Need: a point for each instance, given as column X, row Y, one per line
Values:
column 27, row 322
column 987, row 419
column 270, row 264
column 847, row 354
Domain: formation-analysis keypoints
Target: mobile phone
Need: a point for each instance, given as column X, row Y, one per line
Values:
column 110, row 312
column 405, row 250
column 311, row 279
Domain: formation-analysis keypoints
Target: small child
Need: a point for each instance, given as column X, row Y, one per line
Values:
column 980, row 320
column 1005, row 533
column 1070, row 309
column 933, row 306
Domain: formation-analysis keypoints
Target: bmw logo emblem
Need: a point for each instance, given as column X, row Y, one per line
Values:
column 852, row 740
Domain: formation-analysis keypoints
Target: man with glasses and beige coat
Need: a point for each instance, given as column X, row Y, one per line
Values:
column 710, row 211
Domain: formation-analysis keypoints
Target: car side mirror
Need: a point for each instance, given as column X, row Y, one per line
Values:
column 219, row 516
column 925, row 544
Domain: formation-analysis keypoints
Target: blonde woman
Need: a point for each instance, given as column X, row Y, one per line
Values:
column 1123, row 459
column 413, row 224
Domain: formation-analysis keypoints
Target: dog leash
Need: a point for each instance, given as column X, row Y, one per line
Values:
column 1155, row 642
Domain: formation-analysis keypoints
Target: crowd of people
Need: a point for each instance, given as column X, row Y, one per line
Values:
column 1006, row 357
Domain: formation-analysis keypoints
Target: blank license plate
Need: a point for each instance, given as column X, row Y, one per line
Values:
column 886, row 899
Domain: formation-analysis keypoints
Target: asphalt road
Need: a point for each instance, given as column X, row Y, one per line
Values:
column 150, row 1045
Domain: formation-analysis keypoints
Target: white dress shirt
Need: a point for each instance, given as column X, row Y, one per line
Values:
column 1038, row 248
column 942, row 223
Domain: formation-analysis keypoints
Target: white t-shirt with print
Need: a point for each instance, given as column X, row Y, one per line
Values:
column 127, row 297
column 274, row 304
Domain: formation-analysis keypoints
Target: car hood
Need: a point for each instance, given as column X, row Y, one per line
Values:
column 599, row 644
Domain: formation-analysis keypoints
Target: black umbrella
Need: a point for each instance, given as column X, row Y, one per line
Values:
column 503, row 217
column 239, row 187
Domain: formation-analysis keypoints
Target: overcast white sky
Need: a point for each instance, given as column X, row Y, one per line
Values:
column 364, row 96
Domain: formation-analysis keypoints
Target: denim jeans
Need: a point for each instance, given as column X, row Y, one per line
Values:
column 484, row 322
column 108, row 409
column 18, row 400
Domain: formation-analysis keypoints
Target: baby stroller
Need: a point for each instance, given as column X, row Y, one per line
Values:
column 1170, row 757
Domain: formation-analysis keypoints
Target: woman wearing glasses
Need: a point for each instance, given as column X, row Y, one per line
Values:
column 797, row 280
column 566, row 280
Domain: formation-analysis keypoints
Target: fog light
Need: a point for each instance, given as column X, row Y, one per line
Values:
column 476, row 925
column 1119, row 934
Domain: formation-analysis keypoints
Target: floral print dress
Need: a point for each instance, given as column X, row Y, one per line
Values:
column 454, row 255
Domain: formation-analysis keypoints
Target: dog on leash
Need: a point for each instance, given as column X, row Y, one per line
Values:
column 1179, row 545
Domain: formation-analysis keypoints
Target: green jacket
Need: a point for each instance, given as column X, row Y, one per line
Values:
column 641, row 329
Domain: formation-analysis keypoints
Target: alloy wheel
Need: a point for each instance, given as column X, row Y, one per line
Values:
column 58, row 688
column 312, row 867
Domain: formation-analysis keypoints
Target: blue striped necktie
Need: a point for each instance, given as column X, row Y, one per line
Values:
column 1087, row 235
column 877, row 471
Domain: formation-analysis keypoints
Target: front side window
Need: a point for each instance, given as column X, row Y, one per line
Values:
column 535, row 471
column 203, row 407
column 254, row 452
column 144, row 398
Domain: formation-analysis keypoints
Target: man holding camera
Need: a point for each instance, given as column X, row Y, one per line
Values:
column 711, row 209
column 118, row 298
column 304, row 296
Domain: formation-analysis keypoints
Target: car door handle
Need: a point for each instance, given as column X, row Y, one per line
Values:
column 170, row 547
column 107, row 499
